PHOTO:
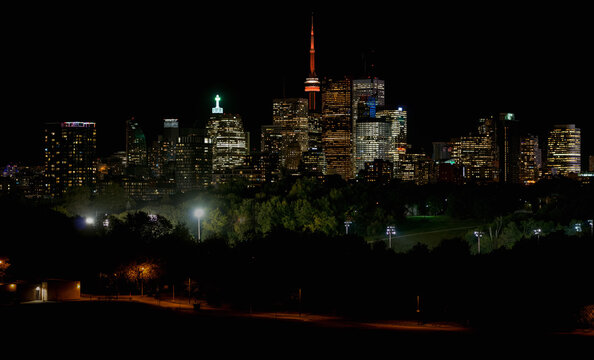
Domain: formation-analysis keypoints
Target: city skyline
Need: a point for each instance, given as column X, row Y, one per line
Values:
column 151, row 70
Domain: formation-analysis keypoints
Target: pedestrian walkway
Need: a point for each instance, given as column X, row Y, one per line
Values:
column 324, row 320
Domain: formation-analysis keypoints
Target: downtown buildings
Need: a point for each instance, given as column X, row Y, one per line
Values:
column 342, row 126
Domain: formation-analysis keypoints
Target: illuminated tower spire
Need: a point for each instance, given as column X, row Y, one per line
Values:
column 312, row 84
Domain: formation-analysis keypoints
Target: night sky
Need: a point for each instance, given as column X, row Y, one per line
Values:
column 447, row 64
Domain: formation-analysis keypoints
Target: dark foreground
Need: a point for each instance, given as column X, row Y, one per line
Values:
column 84, row 328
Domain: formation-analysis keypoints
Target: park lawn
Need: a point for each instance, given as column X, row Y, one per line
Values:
column 428, row 230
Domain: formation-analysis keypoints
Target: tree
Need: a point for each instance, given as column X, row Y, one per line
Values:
column 4, row 265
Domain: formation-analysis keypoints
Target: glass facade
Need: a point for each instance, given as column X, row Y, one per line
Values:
column 337, row 127
column 564, row 150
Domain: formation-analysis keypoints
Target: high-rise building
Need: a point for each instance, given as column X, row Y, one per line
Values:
column 312, row 83
column 397, row 118
column 530, row 160
column 508, row 141
column 193, row 160
column 69, row 156
column 337, row 127
column 591, row 165
column 564, row 150
column 136, row 150
column 270, row 151
column 229, row 142
column 365, row 91
column 291, row 116
column 372, row 134
column 477, row 153
column 169, row 139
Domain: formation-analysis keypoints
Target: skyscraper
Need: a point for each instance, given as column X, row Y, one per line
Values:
column 530, row 159
column 372, row 134
column 193, row 160
column 364, row 92
column 508, row 141
column 69, row 156
column 398, row 120
column 312, row 83
column 291, row 116
column 564, row 150
column 337, row 127
column 136, row 150
column 229, row 142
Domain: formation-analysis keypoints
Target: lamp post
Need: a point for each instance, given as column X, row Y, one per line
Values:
column 347, row 224
column 390, row 230
column 479, row 235
column 199, row 213
column 591, row 223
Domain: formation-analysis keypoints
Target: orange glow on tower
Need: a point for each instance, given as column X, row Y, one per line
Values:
column 312, row 84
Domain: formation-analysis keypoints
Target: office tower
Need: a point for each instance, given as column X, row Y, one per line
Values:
column 398, row 120
column 378, row 170
column 313, row 163
column 417, row 168
column 270, row 147
column 365, row 90
column 193, row 160
column 474, row 154
column 530, row 159
column 291, row 116
column 312, row 83
column 508, row 141
column 169, row 139
column 564, row 150
column 477, row 153
column 337, row 127
column 136, row 150
column 372, row 135
column 229, row 146
column 69, row 156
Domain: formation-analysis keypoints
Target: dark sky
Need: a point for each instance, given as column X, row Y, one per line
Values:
column 447, row 64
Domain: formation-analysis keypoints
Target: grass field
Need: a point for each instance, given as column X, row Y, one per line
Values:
column 428, row 230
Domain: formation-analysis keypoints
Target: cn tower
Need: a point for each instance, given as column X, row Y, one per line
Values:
column 312, row 84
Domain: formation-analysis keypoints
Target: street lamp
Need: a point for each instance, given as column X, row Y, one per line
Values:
column 390, row 230
column 591, row 223
column 479, row 235
column 199, row 213
column 89, row 220
column 347, row 224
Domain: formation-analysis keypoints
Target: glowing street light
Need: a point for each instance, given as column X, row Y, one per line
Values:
column 479, row 235
column 89, row 220
column 591, row 223
column 390, row 230
column 347, row 224
column 199, row 213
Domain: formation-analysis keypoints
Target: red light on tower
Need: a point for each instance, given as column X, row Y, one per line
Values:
column 312, row 83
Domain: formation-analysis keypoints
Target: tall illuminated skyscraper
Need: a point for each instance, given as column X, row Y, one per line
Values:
column 372, row 134
column 193, row 160
column 530, row 160
column 229, row 142
column 364, row 91
column 564, row 150
column 136, row 150
column 69, row 156
column 398, row 120
column 337, row 127
column 508, row 141
column 312, row 83
column 290, row 115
